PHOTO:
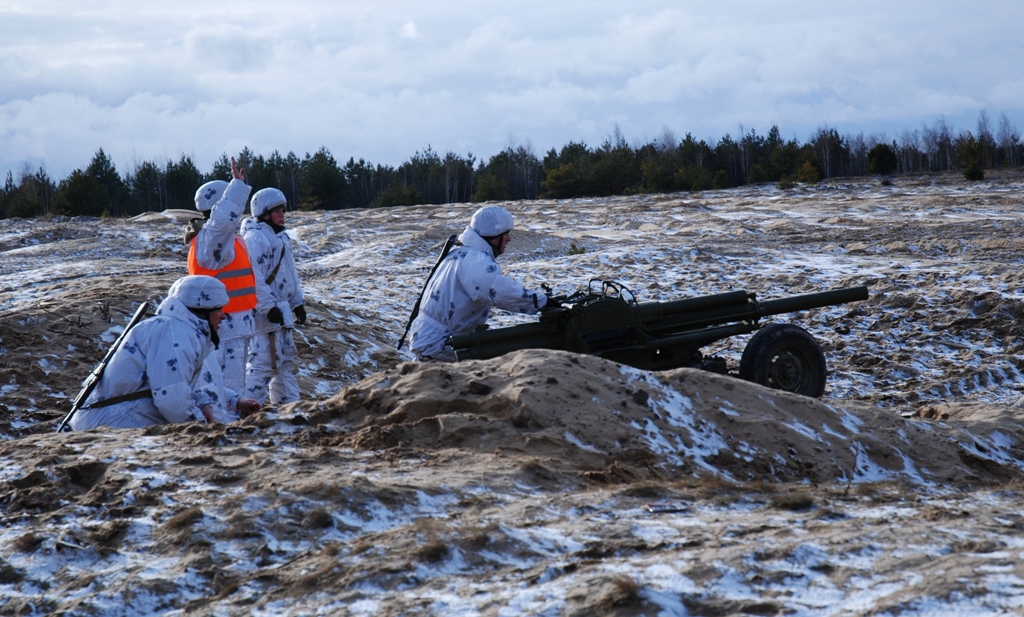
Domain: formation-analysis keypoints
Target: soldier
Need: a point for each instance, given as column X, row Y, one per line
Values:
column 273, row 363
column 151, row 377
column 216, row 249
column 467, row 284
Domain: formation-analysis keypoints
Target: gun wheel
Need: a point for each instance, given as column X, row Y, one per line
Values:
column 785, row 357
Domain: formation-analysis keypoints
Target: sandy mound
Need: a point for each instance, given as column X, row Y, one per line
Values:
column 585, row 415
column 551, row 419
column 536, row 468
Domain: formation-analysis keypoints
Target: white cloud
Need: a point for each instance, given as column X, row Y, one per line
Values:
column 228, row 47
column 1007, row 92
column 409, row 31
column 381, row 80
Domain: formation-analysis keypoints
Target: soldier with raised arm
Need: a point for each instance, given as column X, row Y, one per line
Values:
column 216, row 249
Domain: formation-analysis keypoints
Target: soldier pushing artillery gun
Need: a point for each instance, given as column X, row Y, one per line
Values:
column 448, row 319
column 612, row 324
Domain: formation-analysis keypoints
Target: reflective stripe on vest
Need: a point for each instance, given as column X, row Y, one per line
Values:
column 237, row 276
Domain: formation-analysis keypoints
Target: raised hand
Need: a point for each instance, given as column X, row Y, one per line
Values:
column 238, row 173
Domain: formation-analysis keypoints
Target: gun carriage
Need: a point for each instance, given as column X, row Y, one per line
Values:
column 612, row 324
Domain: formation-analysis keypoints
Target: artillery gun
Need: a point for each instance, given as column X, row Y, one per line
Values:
column 612, row 324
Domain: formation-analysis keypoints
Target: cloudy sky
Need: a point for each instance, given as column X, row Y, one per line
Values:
column 381, row 79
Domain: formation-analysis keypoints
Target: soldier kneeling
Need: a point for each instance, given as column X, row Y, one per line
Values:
column 152, row 377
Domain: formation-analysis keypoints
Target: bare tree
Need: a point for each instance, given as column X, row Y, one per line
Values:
column 529, row 169
column 858, row 148
column 986, row 142
column 938, row 145
column 930, row 147
column 944, row 143
column 667, row 141
column 830, row 150
column 458, row 174
column 909, row 151
column 618, row 140
column 1009, row 141
column 522, row 169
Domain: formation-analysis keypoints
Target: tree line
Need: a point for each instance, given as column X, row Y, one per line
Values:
column 615, row 167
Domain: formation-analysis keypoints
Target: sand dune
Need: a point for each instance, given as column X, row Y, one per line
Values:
column 543, row 482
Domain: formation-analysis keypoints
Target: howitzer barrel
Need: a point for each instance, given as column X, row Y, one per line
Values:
column 667, row 318
column 810, row 301
column 656, row 310
column 664, row 318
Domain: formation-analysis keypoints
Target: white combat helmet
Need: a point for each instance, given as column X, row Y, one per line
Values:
column 491, row 221
column 209, row 194
column 265, row 200
column 198, row 291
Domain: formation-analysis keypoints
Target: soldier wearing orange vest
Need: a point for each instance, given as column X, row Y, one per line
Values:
column 216, row 250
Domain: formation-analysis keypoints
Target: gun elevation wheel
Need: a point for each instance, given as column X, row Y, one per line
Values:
column 785, row 357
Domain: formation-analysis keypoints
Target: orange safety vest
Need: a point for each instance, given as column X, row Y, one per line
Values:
column 237, row 276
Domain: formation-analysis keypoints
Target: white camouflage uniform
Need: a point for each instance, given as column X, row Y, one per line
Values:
column 273, row 358
column 162, row 354
column 215, row 249
column 465, row 287
column 210, row 390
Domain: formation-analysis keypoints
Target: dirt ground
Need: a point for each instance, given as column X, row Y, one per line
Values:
column 544, row 482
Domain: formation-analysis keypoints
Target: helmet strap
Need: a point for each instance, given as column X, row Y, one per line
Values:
column 495, row 242
column 204, row 314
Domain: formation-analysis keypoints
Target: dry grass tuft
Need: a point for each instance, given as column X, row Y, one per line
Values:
column 361, row 546
column 28, row 543
column 183, row 519
column 888, row 491
column 625, row 591
column 646, row 490
column 318, row 518
column 9, row 574
column 228, row 589
column 712, row 486
column 576, row 250
column 977, row 546
column 241, row 527
column 793, row 501
column 432, row 552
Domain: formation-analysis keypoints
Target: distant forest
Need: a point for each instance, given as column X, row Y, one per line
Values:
column 615, row 167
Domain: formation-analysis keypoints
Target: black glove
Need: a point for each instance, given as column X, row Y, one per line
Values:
column 274, row 316
column 300, row 314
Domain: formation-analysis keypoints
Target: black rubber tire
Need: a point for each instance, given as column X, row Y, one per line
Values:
column 785, row 357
